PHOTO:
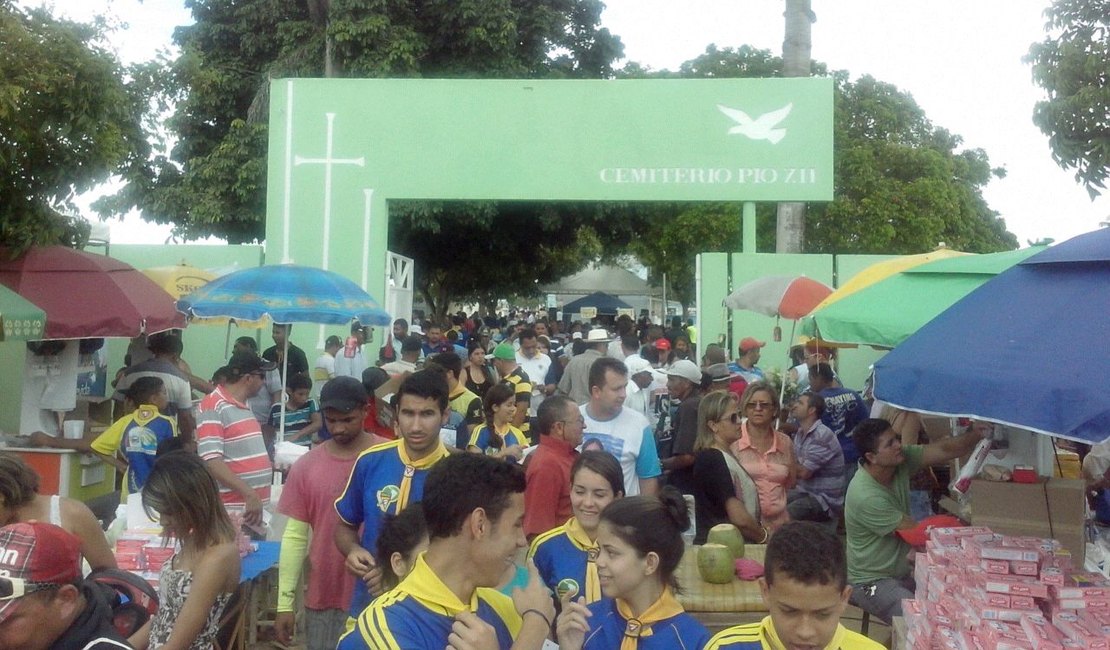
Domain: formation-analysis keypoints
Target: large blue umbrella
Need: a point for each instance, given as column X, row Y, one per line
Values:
column 285, row 293
column 1029, row 348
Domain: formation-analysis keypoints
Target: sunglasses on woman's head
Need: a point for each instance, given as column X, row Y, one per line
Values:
column 733, row 417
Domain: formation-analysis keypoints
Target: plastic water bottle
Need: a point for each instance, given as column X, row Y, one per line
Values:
column 688, row 534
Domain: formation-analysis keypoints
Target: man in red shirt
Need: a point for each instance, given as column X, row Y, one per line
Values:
column 308, row 499
column 547, row 495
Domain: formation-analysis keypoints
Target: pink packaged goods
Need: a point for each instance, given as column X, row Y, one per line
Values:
column 1082, row 629
column 1009, row 553
column 1043, row 634
column 1000, row 567
column 1019, row 585
column 1023, row 568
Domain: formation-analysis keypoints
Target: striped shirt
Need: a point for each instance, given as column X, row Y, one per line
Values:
column 227, row 431
column 818, row 450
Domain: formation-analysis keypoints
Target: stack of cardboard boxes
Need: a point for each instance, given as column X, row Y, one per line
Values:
column 980, row 590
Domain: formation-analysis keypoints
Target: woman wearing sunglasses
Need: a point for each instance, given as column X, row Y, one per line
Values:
column 767, row 455
column 724, row 493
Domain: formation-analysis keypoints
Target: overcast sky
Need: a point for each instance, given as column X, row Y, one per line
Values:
column 960, row 59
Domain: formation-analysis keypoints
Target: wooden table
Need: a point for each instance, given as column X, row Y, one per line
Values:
column 720, row 606
column 735, row 596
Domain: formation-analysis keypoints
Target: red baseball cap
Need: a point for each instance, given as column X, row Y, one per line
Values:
column 917, row 535
column 662, row 344
column 39, row 553
column 748, row 343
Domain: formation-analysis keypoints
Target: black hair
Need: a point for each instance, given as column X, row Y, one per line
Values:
column 452, row 336
column 221, row 375
column 808, row 553
column 498, row 393
column 373, row 378
column 866, row 436
column 170, row 445
column 299, row 381
column 823, row 371
column 652, row 525
column 143, row 390
column 527, row 333
column 630, row 342
column 461, row 483
column 599, row 368
column 604, row 465
column 816, row 402
column 18, row 482
column 164, row 343
column 247, row 341
column 333, row 341
column 449, row 361
column 426, row 384
column 399, row 533
column 402, row 322
column 552, row 410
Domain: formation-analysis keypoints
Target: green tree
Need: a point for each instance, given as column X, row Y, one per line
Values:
column 213, row 180
column 67, row 122
column 901, row 183
column 674, row 233
column 1072, row 64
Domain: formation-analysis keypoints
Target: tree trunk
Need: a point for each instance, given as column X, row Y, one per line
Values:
column 797, row 48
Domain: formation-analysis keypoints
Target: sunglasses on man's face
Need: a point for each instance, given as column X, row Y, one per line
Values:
column 12, row 588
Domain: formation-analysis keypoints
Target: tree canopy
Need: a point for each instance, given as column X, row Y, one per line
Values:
column 901, row 183
column 212, row 182
column 1072, row 64
column 67, row 122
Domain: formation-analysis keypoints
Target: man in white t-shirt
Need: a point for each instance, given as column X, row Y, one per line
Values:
column 324, row 367
column 535, row 364
column 621, row 431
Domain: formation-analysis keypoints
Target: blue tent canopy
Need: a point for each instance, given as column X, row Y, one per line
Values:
column 1030, row 348
column 606, row 304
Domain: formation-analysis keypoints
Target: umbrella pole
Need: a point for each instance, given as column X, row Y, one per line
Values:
column 782, row 379
column 227, row 340
column 284, row 380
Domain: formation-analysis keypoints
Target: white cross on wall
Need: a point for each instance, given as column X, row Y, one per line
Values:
column 328, row 162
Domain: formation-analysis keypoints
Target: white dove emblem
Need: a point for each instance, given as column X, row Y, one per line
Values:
column 762, row 127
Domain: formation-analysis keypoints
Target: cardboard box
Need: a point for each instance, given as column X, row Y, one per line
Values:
column 1053, row 508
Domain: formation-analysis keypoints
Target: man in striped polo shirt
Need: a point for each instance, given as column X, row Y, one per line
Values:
column 230, row 441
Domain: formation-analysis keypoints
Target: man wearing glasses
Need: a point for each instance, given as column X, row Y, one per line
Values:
column 42, row 603
column 230, row 441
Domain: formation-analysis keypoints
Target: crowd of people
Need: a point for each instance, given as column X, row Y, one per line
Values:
column 484, row 484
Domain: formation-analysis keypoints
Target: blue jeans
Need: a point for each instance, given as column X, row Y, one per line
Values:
column 882, row 598
column 921, row 504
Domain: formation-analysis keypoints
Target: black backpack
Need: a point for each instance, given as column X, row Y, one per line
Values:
column 132, row 599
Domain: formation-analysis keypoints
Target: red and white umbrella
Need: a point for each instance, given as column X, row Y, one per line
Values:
column 782, row 296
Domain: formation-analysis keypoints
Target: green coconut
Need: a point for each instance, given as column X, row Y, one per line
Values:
column 728, row 535
column 715, row 563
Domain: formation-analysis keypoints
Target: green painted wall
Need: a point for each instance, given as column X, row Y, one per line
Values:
column 751, row 266
column 721, row 273
column 340, row 149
